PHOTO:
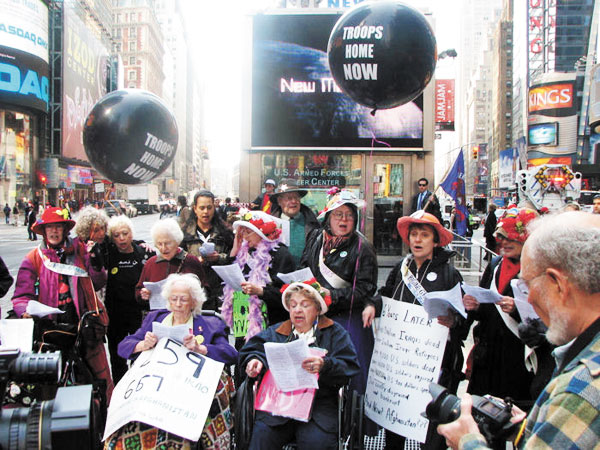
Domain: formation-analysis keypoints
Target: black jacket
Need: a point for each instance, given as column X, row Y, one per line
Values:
column 490, row 225
column 446, row 278
column 6, row 280
column 340, row 364
column 342, row 261
column 433, row 207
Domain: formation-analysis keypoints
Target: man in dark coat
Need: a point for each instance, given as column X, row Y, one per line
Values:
column 426, row 200
column 489, row 229
column 263, row 202
column 301, row 218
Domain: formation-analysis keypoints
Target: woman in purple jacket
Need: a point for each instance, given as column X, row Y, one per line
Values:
column 185, row 298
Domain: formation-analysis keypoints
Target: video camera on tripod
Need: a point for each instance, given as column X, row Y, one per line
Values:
column 64, row 422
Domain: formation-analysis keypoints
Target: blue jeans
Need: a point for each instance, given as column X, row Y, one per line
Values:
column 308, row 436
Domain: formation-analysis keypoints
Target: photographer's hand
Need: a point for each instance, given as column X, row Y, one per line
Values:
column 462, row 426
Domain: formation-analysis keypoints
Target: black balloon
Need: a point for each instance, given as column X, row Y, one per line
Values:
column 130, row 136
column 382, row 55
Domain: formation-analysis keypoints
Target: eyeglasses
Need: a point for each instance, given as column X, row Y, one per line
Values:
column 422, row 185
column 523, row 285
column 340, row 215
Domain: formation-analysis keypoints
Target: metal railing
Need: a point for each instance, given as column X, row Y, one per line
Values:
column 471, row 256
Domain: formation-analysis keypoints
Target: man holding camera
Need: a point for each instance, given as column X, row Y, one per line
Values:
column 560, row 266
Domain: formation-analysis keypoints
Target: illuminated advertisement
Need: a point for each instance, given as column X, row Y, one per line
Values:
column 84, row 80
column 552, row 99
column 296, row 103
column 543, row 134
column 444, row 105
column 24, row 54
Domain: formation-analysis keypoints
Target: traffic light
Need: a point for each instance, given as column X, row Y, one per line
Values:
column 475, row 152
column 43, row 179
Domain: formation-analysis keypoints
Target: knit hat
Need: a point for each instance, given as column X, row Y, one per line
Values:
column 53, row 215
column 314, row 287
column 338, row 198
column 263, row 224
column 423, row 217
column 513, row 224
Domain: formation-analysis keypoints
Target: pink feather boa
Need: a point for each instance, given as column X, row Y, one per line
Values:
column 258, row 276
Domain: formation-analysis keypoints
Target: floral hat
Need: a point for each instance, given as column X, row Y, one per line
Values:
column 53, row 215
column 513, row 224
column 339, row 197
column 263, row 224
column 314, row 287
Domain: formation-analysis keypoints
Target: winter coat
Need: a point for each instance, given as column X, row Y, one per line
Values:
column 211, row 328
column 6, row 280
column 498, row 355
column 222, row 237
column 310, row 220
column 340, row 364
column 446, row 277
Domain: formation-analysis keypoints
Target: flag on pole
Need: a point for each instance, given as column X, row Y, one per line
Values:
column 454, row 186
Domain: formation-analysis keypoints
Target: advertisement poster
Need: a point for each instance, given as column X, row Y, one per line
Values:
column 168, row 387
column 84, row 80
column 296, row 103
column 508, row 168
column 408, row 354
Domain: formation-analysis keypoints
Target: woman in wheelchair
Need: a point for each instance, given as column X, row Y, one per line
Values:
column 59, row 273
column 306, row 306
column 208, row 336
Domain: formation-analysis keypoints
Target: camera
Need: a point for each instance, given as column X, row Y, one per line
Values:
column 62, row 422
column 491, row 414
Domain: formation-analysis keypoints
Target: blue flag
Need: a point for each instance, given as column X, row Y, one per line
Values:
column 454, row 186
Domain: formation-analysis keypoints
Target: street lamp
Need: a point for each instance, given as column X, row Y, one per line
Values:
column 450, row 53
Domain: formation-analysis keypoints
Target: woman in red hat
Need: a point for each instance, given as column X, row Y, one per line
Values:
column 428, row 267
column 498, row 366
column 67, row 281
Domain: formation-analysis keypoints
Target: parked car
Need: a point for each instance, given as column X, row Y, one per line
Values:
column 112, row 208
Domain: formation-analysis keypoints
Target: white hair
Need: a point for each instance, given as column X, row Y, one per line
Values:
column 170, row 227
column 192, row 283
column 118, row 222
column 569, row 242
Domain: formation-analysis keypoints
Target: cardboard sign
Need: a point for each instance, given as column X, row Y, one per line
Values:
column 168, row 387
column 241, row 308
column 408, row 353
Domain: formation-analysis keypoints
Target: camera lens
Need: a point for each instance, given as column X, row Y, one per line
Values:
column 24, row 428
column 444, row 407
column 37, row 367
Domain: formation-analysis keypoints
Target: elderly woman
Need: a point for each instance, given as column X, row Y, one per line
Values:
column 261, row 255
column 498, row 366
column 344, row 262
column 124, row 260
column 171, row 258
column 185, row 298
column 306, row 306
column 428, row 264
column 207, row 237
column 91, row 230
column 58, row 273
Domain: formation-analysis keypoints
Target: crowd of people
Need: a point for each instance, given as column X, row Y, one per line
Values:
column 105, row 270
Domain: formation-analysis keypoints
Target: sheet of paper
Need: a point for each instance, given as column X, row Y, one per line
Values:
column 298, row 275
column 17, row 333
column 177, row 332
column 231, row 274
column 438, row 303
column 285, row 363
column 35, row 308
column 482, row 295
column 157, row 301
column 525, row 309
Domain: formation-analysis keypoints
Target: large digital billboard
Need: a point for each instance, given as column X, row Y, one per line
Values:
column 24, row 53
column 296, row 103
column 85, row 75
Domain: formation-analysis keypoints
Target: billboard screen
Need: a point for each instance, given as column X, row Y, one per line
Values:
column 296, row 103
column 552, row 99
column 84, row 79
column 24, row 54
column 543, row 134
column 444, row 105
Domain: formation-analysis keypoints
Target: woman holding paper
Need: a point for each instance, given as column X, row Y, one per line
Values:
column 171, row 258
column 307, row 303
column 427, row 268
column 498, row 365
column 261, row 255
column 124, row 261
column 343, row 261
column 207, row 336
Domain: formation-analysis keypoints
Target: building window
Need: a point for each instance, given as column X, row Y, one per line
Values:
column 132, row 46
column 132, row 60
column 132, row 32
column 132, row 75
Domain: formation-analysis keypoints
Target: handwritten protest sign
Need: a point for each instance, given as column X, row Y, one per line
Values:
column 407, row 357
column 168, row 387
